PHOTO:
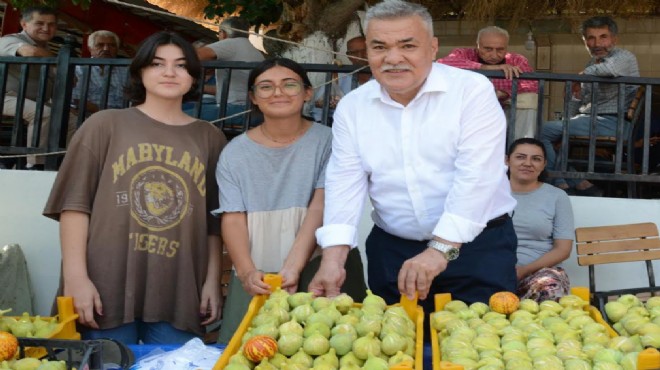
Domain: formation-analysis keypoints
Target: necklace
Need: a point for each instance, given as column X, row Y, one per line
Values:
column 287, row 141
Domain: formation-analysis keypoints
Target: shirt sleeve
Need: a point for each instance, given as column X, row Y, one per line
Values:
column 464, row 58
column 9, row 45
column 563, row 227
column 75, row 94
column 231, row 198
column 77, row 180
column 345, row 187
column 480, row 156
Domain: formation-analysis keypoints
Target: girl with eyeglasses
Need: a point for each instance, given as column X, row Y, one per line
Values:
column 271, row 181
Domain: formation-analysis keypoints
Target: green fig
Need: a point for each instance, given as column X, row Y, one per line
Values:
column 342, row 343
column 328, row 358
column 276, row 301
column 365, row 346
column 331, row 311
column 369, row 324
column 27, row 363
column 324, row 366
column 301, row 357
column 316, row 344
column 393, row 343
column 291, row 327
column 23, row 327
column 343, row 302
column 316, row 327
column 268, row 329
column 265, row 318
column 320, row 317
column 289, row 344
column 290, row 365
column 300, row 298
column 348, row 319
column 240, row 359
column 52, row 365
column 279, row 293
column 372, row 299
column 302, row 312
column 237, row 366
column 375, row 363
column 344, row 329
column 398, row 358
column 350, row 359
column 278, row 360
column 265, row 365
column 320, row 303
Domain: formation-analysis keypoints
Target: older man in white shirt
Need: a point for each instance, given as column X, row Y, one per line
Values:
column 426, row 143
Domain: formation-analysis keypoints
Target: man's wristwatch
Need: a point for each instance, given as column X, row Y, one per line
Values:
column 450, row 252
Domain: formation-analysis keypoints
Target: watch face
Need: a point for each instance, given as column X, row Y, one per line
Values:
column 451, row 254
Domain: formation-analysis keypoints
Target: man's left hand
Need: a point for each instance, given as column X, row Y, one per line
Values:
column 508, row 69
column 417, row 273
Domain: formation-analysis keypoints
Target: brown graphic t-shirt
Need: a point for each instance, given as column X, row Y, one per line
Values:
column 149, row 188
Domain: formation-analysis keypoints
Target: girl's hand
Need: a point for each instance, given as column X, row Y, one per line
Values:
column 86, row 300
column 253, row 282
column 289, row 280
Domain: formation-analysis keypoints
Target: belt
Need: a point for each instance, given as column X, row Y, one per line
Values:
column 498, row 221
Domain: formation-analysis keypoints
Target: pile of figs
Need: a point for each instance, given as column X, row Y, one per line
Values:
column 548, row 335
column 323, row 333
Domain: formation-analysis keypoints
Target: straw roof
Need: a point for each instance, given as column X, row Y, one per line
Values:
column 521, row 11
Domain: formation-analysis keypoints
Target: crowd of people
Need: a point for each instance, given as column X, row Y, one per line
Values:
column 147, row 196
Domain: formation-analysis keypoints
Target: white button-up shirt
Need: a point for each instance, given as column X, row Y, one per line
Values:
column 433, row 167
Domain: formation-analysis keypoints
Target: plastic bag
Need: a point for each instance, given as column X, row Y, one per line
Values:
column 194, row 355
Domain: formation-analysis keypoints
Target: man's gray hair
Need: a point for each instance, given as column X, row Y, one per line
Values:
column 599, row 22
column 235, row 27
column 91, row 40
column 390, row 9
column 492, row 30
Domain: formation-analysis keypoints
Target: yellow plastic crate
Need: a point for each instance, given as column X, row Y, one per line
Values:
column 66, row 326
column 415, row 312
column 648, row 359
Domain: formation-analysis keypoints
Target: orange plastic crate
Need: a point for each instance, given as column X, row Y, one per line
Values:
column 649, row 359
column 416, row 314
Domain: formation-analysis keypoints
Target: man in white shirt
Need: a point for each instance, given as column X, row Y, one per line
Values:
column 426, row 142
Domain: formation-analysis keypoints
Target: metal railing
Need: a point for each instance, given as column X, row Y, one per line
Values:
column 58, row 73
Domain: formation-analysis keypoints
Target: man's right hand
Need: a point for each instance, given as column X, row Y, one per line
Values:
column 331, row 274
column 86, row 300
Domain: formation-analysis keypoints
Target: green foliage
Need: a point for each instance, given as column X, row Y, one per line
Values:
column 258, row 13
column 22, row 4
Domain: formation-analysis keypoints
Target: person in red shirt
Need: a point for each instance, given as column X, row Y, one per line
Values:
column 492, row 54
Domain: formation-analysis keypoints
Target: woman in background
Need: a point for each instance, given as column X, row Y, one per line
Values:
column 543, row 220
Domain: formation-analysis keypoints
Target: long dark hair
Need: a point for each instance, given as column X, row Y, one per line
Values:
column 135, row 90
column 282, row 62
column 530, row 141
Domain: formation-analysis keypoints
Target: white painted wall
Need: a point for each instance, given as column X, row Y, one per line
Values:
column 24, row 193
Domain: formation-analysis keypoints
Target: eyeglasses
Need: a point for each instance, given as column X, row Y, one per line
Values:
column 267, row 89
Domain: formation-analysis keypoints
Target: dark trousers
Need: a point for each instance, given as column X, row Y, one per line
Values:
column 485, row 266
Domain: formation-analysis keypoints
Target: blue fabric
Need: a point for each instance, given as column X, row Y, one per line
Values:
column 140, row 331
column 579, row 125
